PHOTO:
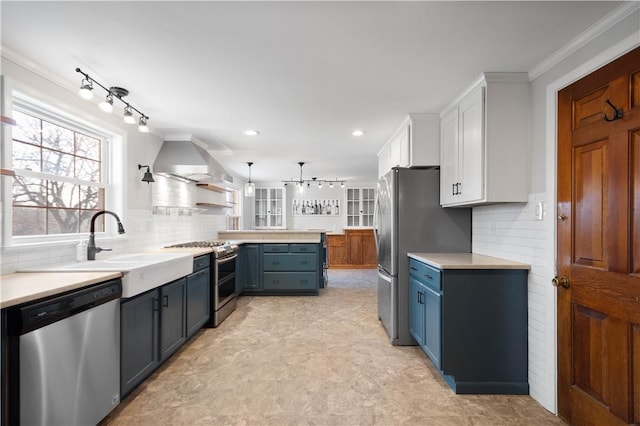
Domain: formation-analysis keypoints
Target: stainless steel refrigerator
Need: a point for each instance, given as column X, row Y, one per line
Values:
column 408, row 218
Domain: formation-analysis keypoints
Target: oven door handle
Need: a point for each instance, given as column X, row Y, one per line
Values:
column 226, row 259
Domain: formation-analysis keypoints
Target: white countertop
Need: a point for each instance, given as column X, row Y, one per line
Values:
column 29, row 286
column 466, row 261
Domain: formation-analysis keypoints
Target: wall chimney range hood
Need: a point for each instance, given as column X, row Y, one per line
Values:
column 185, row 160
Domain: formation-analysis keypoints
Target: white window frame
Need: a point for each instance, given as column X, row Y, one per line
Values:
column 112, row 147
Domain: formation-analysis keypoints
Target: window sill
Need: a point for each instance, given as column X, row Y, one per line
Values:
column 71, row 241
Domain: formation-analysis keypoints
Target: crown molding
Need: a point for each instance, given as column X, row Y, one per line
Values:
column 608, row 21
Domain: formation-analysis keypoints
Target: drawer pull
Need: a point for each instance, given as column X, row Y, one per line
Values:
column 303, row 262
column 413, row 268
column 429, row 277
column 275, row 262
column 165, row 303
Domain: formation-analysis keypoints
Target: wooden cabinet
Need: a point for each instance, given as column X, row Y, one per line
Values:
column 484, row 138
column 472, row 324
column 415, row 143
column 270, row 208
column 198, row 302
column 355, row 249
column 360, row 206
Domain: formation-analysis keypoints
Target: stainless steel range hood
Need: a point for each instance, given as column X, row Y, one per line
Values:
column 185, row 160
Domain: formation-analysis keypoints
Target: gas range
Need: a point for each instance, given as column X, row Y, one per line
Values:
column 220, row 248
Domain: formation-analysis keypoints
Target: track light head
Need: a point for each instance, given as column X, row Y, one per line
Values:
column 142, row 125
column 107, row 104
column 86, row 89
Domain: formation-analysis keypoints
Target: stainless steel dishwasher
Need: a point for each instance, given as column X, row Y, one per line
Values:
column 65, row 357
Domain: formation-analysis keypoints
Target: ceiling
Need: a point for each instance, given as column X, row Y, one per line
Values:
column 305, row 74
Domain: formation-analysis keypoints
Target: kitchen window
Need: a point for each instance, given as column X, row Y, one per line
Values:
column 60, row 175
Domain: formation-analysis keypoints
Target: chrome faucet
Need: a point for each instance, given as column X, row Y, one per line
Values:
column 91, row 248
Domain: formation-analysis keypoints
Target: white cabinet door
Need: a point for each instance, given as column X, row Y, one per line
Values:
column 270, row 208
column 471, row 147
column 449, row 157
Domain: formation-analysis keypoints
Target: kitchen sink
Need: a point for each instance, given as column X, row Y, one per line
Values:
column 141, row 271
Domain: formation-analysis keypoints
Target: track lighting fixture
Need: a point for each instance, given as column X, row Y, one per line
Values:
column 148, row 177
column 300, row 182
column 86, row 92
column 249, row 187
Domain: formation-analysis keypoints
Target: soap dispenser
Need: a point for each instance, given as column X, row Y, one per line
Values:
column 81, row 251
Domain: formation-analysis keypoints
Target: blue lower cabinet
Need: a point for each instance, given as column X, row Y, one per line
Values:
column 472, row 324
column 152, row 328
column 280, row 269
column 289, row 281
column 173, row 330
column 250, row 276
column 416, row 310
column 198, row 300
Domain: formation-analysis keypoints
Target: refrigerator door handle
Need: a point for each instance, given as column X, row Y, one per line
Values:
column 376, row 222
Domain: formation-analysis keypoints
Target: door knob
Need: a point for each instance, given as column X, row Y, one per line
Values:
column 560, row 282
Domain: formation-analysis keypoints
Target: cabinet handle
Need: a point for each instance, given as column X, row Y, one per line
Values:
column 303, row 262
column 459, row 185
column 275, row 263
column 165, row 303
column 429, row 277
column 453, row 189
column 414, row 268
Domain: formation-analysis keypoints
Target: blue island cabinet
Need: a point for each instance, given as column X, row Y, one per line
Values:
column 281, row 269
column 472, row 324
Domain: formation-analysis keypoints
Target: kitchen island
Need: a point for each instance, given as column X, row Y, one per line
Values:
column 282, row 262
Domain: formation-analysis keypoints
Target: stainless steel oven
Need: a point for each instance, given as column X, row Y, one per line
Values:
column 224, row 258
column 224, row 288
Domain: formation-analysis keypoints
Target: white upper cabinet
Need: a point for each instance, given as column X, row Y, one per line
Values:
column 415, row 143
column 484, row 139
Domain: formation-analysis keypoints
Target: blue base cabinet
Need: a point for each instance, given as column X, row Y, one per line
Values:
column 198, row 304
column 250, row 275
column 155, row 324
column 472, row 324
column 281, row 269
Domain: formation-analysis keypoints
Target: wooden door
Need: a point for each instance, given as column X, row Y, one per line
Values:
column 599, row 247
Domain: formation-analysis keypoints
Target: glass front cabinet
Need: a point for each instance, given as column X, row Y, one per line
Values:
column 360, row 204
column 270, row 208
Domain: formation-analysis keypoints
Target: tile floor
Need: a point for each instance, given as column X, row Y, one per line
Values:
column 311, row 361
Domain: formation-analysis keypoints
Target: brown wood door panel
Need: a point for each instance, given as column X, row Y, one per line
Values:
column 589, row 210
column 599, row 247
column 635, row 199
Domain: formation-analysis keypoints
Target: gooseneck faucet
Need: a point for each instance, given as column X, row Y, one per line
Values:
column 91, row 248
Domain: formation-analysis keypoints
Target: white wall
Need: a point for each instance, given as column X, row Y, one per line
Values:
column 144, row 230
column 510, row 231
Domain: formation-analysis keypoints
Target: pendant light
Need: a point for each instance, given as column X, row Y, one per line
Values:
column 249, row 187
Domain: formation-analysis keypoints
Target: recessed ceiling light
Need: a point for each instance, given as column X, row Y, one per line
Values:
column 357, row 132
column 251, row 132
